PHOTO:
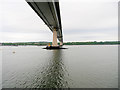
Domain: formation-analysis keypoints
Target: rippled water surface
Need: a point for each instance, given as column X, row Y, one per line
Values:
column 75, row 67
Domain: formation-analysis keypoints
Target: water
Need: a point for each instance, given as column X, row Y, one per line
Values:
column 88, row 66
column 0, row 68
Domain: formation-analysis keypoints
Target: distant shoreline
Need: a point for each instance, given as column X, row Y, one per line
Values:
column 66, row 43
column 63, row 45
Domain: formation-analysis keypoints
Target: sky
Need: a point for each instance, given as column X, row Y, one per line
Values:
column 82, row 20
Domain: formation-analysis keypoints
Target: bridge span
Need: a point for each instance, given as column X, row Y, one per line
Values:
column 49, row 12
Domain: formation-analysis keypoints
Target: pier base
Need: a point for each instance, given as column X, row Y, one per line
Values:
column 54, row 47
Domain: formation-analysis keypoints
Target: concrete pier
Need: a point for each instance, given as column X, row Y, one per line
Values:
column 54, row 43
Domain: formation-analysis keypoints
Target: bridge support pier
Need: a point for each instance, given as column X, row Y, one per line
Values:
column 54, row 43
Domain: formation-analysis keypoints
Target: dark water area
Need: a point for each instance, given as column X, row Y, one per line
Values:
column 76, row 67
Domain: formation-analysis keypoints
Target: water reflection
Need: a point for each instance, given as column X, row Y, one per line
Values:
column 54, row 74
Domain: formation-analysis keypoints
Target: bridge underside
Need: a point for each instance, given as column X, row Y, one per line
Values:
column 49, row 12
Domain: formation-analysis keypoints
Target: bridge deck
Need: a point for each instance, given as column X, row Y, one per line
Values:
column 49, row 12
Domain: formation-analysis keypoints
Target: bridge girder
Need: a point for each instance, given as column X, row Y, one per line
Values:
column 49, row 12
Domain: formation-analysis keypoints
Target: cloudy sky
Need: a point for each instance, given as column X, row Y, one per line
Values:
column 82, row 20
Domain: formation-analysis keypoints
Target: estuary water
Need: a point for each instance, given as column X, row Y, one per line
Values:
column 79, row 66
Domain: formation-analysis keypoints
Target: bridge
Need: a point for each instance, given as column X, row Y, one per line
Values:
column 49, row 12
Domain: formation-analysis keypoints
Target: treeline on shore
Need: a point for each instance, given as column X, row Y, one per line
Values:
column 93, row 43
column 66, row 43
